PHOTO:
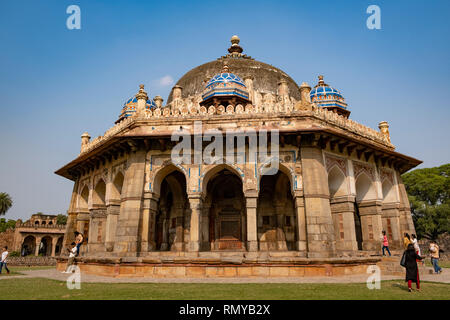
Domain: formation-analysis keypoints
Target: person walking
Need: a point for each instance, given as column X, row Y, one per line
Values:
column 4, row 259
column 434, row 250
column 406, row 241
column 412, row 271
column 385, row 244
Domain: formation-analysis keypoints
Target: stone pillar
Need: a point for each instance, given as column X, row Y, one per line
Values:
column 131, row 206
column 54, row 241
column 71, row 227
column 406, row 221
column 195, row 203
column 71, row 217
column 148, row 222
column 391, row 224
column 178, row 209
column 205, row 241
column 343, row 211
column 165, row 231
column 38, row 242
column 112, row 211
column 251, row 200
column 299, row 202
column 371, row 224
column 319, row 223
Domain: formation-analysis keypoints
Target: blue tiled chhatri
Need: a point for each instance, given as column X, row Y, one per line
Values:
column 225, row 84
column 129, row 107
column 325, row 96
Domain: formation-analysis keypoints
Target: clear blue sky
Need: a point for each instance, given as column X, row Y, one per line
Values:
column 57, row 83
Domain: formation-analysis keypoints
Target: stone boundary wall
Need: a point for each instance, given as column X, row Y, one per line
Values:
column 7, row 239
column 32, row 261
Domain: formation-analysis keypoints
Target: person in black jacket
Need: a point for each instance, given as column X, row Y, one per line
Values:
column 412, row 271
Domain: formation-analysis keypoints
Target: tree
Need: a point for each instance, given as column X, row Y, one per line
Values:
column 429, row 195
column 5, row 225
column 61, row 219
column 5, row 203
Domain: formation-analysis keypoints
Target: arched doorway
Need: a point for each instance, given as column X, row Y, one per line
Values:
column 59, row 245
column 276, row 217
column 346, row 218
column 226, row 204
column 365, row 192
column 28, row 246
column 171, row 221
column 45, row 247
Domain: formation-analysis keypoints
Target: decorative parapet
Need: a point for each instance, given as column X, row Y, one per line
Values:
column 277, row 109
column 29, row 224
column 108, row 134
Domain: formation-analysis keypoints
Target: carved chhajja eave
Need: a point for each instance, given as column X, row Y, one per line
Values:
column 329, row 129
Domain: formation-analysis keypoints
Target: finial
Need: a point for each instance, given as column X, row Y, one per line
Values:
column 142, row 94
column 235, row 48
column 384, row 129
column 225, row 68
column 321, row 79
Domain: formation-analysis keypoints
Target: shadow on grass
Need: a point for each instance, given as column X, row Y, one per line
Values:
column 403, row 287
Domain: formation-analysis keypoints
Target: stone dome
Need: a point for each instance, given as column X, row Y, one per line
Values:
column 265, row 77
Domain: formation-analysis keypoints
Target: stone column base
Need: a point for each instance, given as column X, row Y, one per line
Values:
column 252, row 245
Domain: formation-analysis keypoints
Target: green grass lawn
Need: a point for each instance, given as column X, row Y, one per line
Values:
column 39, row 288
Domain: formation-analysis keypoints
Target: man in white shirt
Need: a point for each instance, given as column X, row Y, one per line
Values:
column 72, row 255
column 4, row 259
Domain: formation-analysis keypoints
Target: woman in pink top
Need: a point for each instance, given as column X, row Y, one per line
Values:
column 385, row 244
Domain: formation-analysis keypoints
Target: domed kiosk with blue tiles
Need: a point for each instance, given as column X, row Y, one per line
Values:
column 225, row 88
column 329, row 98
column 129, row 107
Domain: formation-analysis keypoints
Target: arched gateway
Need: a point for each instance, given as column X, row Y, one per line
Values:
column 242, row 172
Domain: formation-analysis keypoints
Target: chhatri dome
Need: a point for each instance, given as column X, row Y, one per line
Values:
column 129, row 107
column 327, row 97
column 225, row 88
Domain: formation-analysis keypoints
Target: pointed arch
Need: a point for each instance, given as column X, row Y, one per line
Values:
column 155, row 184
column 117, row 185
column 389, row 195
column 281, row 167
column 365, row 189
column 83, row 198
column 99, row 193
column 208, row 175
column 337, row 182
